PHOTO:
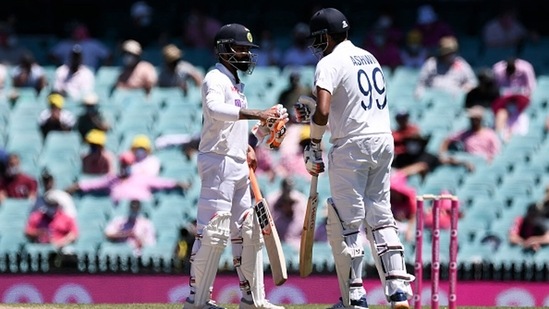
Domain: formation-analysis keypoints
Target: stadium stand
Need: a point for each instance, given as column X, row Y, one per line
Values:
column 492, row 195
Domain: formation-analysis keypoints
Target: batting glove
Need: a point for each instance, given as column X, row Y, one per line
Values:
column 304, row 108
column 312, row 156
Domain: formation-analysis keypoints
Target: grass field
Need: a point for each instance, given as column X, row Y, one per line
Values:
column 176, row 306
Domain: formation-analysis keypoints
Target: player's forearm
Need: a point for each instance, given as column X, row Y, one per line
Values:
column 249, row 114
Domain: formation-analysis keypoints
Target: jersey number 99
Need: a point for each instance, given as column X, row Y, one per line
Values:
column 367, row 84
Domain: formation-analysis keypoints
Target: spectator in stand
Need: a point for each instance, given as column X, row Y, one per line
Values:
column 176, row 72
column 10, row 50
column 136, row 73
column 142, row 26
column 446, row 71
column 51, row 225
column 126, row 185
column 298, row 54
column 431, row 27
column 531, row 231
column 510, row 118
column 291, row 156
column 515, row 76
column 29, row 74
column 16, row 184
column 295, row 89
column 134, row 229
column 146, row 163
column 288, row 207
column 91, row 118
column 505, row 30
column 403, row 205
column 55, row 118
column 516, row 80
column 486, row 92
column 411, row 155
column 269, row 54
column 62, row 198
column 476, row 140
column 265, row 160
column 383, row 42
column 98, row 160
column 413, row 54
column 199, row 29
column 74, row 80
column 94, row 52
column 404, row 131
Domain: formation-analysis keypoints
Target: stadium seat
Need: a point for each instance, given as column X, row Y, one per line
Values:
column 37, row 255
column 116, row 256
column 11, row 244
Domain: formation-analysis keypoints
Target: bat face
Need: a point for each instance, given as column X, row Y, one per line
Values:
column 262, row 215
column 313, row 200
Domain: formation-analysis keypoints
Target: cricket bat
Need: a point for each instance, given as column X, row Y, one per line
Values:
column 307, row 237
column 270, row 234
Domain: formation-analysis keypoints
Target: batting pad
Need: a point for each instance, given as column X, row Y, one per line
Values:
column 204, row 267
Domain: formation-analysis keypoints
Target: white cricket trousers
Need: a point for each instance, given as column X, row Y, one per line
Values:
column 359, row 171
column 224, row 187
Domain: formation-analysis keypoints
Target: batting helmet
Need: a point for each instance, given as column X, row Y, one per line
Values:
column 328, row 21
column 324, row 22
column 232, row 35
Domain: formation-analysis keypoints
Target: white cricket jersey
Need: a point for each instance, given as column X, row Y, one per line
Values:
column 355, row 79
column 222, row 99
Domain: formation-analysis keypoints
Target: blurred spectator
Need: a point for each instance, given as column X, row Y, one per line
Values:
column 403, row 205
column 504, row 30
column 413, row 54
column 142, row 26
column 74, row 80
column 98, row 160
column 177, row 72
column 199, row 29
column 298, row 54
column 16, row 184
column 411, row 155
column 531, row 231
column 515, row 77
column 94, row 52
column 265, row 160
column 136, row 73
column 126, row 185
column 146, row 163
column 447, row 71
column 289, row 95
column 403, row 131
column 486, row 92
column 516, row 81
column 55, row 118
column 510, row 118
column 10, row 50
column 91, row 117
column 431, row 27
column 29, row 74
column 291, row 156
column 288, row 207
column 62, row 198
column 385, row 23
column 51, row 225
column 383, row 44
column 269, row 53
column 134, row 229
column 476, row 140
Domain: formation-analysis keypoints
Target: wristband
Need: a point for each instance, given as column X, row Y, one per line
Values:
column 317, row 130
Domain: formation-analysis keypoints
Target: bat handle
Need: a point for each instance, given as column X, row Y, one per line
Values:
column 255, row 185
column 314, row 184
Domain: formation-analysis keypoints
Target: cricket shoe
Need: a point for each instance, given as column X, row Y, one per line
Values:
column 245, row 304
column 399, row 300
column 355, row 304
column 208, row 305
